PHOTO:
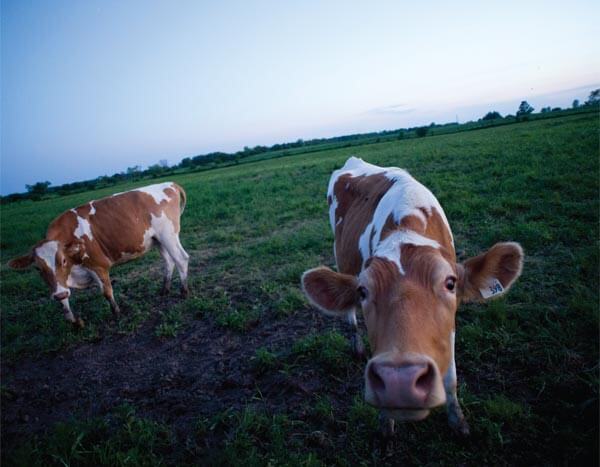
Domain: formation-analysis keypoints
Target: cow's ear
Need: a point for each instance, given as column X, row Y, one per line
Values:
column 22, row 262
column 492, row 273
column 333, row 293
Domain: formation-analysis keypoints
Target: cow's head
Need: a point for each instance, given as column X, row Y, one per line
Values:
column 409, row 311
column 54, row 261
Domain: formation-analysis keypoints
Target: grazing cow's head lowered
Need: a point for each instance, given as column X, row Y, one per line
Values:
column 54, row 261
column 396, row 258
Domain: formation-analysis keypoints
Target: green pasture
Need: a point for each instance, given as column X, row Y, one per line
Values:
column 527, row 363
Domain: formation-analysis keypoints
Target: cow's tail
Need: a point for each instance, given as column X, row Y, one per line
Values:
column 182, row 196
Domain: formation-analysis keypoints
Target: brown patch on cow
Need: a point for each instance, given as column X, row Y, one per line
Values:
column 356, row 205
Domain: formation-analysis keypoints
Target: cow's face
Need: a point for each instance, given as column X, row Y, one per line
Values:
column 409, row 314
column 54, row 262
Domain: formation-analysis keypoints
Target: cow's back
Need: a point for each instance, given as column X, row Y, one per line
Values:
column 368, row 202
column 116, row 228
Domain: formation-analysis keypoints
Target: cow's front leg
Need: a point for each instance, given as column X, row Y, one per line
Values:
column 107, row 290
column 456, row 419
column 358, row 349
column 69, row 316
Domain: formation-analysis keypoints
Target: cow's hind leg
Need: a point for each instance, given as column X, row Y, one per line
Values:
column 358, row 349
column 168, row 269
column 180, row 257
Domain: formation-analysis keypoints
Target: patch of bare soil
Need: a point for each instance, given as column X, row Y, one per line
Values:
column 203, row 371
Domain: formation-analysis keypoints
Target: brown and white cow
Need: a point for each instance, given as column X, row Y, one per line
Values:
column 396, row 260
column 82, row 244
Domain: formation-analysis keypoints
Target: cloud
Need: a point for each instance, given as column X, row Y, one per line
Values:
column 395, row 109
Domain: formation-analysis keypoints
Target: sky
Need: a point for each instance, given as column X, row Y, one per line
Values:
column 91, row 88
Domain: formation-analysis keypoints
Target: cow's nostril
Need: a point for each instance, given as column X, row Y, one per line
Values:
column 375, row 379
column 425, row 380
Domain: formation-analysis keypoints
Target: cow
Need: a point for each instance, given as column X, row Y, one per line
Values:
column 82, row 244
column 396, row 261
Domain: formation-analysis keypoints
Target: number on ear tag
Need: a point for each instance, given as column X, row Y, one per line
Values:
column 494, row 287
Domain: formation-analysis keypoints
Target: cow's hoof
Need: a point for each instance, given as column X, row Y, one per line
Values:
column 185, row 292
column 78, row 324
column 461, row 428
column 358, row 348
column 165, row 291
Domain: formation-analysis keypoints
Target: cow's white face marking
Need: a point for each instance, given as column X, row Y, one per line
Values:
column 47, row 252
column 405, row 197
column 157, row 191
column 83, row 228
column 390, row 247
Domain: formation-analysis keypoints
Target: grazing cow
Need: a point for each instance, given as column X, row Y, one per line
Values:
column 395, row 256
column 82, row 244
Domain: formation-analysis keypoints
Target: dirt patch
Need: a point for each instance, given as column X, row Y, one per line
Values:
column 205, row 370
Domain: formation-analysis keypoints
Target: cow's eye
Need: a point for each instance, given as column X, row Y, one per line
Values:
column 363, row 293
column 450, row 283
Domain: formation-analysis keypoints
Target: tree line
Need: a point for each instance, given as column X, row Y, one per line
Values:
column 44, row 189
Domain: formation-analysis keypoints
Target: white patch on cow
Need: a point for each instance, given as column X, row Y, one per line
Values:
column 47, row 251
column 332, row 209
column 67, row 310
column 164, row 232
column 405, row 197
column 455, row 415
column 80, row 277
column 450, row 376
column 83, row 228
column 157, row 191
column 492, row 288
column 92, row 209
column 390, row 247
column 60, row 288
column 339, row 221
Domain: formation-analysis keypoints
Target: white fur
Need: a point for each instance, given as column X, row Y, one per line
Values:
column 164, row 231
column 81, row 277
column 92, row 208
column 47, row 252
column 157, row 191
column 83, row 228
column 405, row 197
column 390, row 247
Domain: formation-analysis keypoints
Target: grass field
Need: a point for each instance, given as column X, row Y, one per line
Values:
column 245, row 372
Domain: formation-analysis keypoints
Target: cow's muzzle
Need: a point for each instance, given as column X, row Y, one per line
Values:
column 60, row 296
column 404, row 385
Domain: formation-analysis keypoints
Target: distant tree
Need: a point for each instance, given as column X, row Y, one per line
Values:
column 556, row 109
column 186, row 162
column 422, row 131
column 400, row 135
column 546, row 110
column 492, row 115
column 163, row 163
column 594, row 98
column 524, row 109
column 575, row 103
column 38, row 189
